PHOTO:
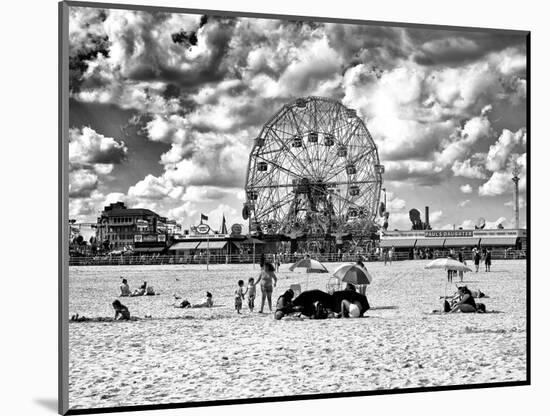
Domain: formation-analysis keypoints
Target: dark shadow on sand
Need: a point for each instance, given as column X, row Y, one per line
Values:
column 381, row 308
column 49, row 404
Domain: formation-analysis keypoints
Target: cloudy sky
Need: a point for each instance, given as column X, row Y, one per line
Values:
column 164, row 109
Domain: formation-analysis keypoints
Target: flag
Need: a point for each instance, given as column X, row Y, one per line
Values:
column 203, row 217
column 224, row 227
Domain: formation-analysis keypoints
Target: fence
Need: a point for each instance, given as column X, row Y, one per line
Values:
column 126, row 260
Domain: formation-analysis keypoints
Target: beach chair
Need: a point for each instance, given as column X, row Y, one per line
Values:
column 296, row 288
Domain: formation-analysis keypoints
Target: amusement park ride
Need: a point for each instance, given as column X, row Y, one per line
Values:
column 313, row 175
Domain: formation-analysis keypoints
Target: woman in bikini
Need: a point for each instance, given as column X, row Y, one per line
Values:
column 268, row 281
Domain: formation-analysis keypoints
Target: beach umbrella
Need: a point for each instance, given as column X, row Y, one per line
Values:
column 353, row 273
column 312, row 266
column 447, row 264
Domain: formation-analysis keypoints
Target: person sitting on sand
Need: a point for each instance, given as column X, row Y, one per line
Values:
column 466, row 303
column 284, row 304
column 124, row 288
column 268, row 281
column 121, row 311
column 141, row 290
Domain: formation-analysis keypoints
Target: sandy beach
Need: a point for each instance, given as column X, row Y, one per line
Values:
column 185, row 355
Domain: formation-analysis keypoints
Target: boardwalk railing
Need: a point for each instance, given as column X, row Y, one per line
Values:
column 128, row 260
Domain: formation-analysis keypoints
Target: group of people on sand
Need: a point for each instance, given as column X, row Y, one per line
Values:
column 267, row 280
column 464, row 301
column 143, row 290
column 484, row 255
column 316, row 304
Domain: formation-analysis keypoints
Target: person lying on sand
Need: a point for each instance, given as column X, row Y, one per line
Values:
column 207, row 302
column 124, row 288
column 141, row 291
column 306, row 301
column 121, row 311
column 77, row 318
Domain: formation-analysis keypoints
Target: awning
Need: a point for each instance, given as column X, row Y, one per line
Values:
column 499, row 241
column 250, row 241
column 212, row 245
column 398, row 242
column 430, row 242
column 184, row 245
column 462, row 242
column 149, row 249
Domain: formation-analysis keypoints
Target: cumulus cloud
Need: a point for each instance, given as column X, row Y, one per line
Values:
column 200, row 88
column 466, row 188
column 82, row 183
column 462, row 204
column 500, row 152
column 87, row 147
column 468, row 169
column 512, row 203
column 501, row 182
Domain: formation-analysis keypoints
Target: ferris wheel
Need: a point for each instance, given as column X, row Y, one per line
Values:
column 313, row 170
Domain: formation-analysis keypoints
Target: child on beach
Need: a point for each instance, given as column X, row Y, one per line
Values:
column 251, row 293
column 239, row 296
column 121, row 311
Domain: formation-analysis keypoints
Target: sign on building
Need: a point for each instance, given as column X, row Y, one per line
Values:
column 448, row 233
column 236, row 229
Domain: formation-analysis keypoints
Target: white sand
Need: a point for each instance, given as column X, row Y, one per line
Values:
column 183, row 355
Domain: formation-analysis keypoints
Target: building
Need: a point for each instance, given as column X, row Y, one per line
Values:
column 514, row 239
column 122, row 228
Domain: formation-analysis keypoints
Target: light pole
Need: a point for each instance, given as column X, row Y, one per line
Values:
column 515, row 179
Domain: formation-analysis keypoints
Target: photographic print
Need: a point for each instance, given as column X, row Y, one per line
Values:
column 265, row 207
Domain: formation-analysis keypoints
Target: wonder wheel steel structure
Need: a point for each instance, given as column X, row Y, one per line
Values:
column 313, row 171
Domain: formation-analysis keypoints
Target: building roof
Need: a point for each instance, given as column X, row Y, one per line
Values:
column 212, row 245
column 462, row 242
column 398, row 242
column 499, row 241
column 129, row 212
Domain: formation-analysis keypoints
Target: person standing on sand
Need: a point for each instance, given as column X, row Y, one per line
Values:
column 390, row 254
column 268, row 281
column 477, row 258
column 251, row 293
column 461, row 272
column 488, row 261
column 239, row 296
